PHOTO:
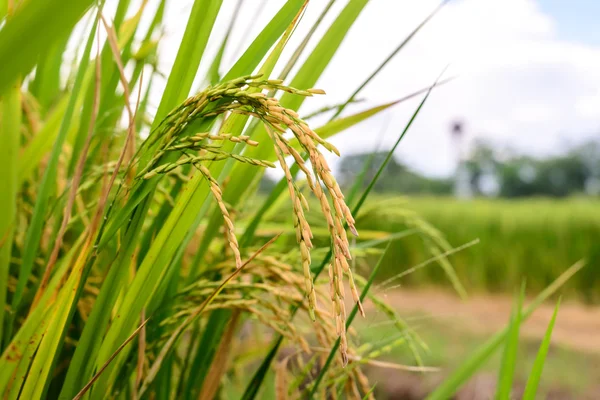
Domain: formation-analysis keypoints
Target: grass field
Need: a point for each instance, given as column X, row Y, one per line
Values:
column 532, row 239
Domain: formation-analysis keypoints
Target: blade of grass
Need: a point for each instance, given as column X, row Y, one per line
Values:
column 538, row 365
column 306, row 77
column 511, row 348
column 234, row 125
column 265, row 40
column 20, row 39
column 108, row 99
column 213, row 71
column 298, row 52
column 87, row 387
column 460, row 376
column 200, row 23
column 34, row 232
column 336, row 345
column 16, row 356
column 10, row 133
column 393, row 149
column 360, row 178
column 39, row 377
column 40, row 373
column 35, row 150
column 46, row 84
column 189, row 55
column 3, row 9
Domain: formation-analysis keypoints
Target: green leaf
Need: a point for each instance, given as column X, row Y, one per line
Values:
column 511, row 348
column 151, row 270
column 42, row 142
column 3, row 9
column 265, row 40
column 82, row 363
column 322, row 54
column 25, row 341
column 306, row 77
column 46, row 186
column 189, row 55
column 40, row 373
column 20, row 39
column 213, row 71
column 168, row 347
column 46, row 85
column 538, row 365
column 10, row 133
column 473, row 363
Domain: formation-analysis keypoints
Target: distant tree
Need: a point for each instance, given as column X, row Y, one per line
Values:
column 481, row 164
column 396, row 177
column 519, row 176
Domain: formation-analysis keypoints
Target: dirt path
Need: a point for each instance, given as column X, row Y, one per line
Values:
column 577, row 326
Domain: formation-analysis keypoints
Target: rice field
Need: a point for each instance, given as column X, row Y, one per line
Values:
column 531, row 239
column 137, row 260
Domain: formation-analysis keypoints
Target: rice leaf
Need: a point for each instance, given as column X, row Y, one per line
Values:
column 16, row 357
column 189, row 55
column 42, row 142
column 20, row 41
column 10, row 133
column 213, row 71
column 511, row 348
column 46, row 84
column 265, row 40
column 538, row 366
column 46, row 186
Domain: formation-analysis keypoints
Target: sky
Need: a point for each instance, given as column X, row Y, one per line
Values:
column 528, row 72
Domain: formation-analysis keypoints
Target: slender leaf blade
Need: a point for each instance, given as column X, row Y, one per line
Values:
column 511, row 348
column 20, row 39
column 538, row 365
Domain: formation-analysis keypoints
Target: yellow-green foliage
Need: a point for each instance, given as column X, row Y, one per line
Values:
column 535, row 239
column 119, row 275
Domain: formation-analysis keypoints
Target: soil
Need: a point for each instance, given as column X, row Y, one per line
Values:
column 577, row 326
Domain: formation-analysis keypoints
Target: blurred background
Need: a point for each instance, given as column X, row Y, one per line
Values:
column 506, row 151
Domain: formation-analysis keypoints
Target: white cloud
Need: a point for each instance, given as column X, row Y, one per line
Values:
column 519, row 82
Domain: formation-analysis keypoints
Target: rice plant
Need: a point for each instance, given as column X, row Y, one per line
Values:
column 131, row 265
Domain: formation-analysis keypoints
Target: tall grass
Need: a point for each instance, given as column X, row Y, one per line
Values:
column 121, row 272
column 532, row 239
